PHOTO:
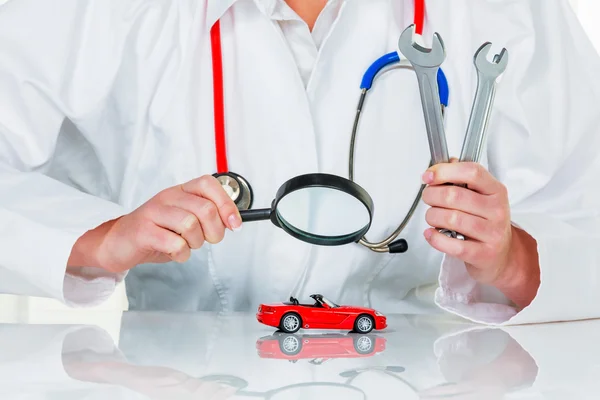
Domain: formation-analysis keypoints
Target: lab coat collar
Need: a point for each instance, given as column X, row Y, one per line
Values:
column 215, row 10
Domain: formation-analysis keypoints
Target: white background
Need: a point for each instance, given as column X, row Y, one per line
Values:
column 13, row 308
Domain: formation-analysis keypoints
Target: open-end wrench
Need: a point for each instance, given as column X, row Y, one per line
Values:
column 487, row 78
column 426, row 63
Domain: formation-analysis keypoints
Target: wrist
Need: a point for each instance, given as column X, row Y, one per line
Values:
column 520, row 279
column 87, row 249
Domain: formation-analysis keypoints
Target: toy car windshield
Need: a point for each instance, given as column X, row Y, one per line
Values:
column 323, row 299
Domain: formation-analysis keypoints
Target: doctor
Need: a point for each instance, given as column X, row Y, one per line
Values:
column 107, row 150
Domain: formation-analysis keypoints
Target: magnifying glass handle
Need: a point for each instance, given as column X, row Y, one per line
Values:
column 263, row 214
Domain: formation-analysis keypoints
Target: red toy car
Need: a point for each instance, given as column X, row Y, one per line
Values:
column 319, row 348
column 323, row 314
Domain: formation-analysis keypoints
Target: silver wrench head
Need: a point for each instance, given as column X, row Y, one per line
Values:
column 493, row 68
column 421, row 56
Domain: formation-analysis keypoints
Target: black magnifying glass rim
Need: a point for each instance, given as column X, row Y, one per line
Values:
column 322, row 180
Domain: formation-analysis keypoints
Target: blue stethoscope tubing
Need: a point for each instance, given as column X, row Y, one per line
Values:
column 391, row 60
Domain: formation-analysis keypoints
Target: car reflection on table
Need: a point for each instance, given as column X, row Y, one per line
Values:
column 319, row 347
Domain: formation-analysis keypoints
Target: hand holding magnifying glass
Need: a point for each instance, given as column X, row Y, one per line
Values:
column 320, row 209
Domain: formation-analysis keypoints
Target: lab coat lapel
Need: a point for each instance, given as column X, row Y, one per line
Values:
column 215, row 9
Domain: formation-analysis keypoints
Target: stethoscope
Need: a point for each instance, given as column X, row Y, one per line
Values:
column 345, row 389
column 284, row 392
column 238, row 187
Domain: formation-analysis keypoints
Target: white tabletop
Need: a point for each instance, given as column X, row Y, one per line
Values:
column 204, row 356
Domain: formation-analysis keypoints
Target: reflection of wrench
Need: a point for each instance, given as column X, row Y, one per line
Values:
column 426, row 63
column 487, row 75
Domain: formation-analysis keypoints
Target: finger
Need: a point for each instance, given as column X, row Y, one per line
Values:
column 458, row 198
column 166, row 242
column 180, row 221
column 471, row 226
column 469, row 251
column 211, row 222
column 209, row 188
column 474, row 175
column 206, row 213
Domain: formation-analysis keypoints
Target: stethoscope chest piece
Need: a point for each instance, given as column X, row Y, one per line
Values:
column 238, row 189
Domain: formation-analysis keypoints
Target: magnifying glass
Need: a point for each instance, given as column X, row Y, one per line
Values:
column 320, row 209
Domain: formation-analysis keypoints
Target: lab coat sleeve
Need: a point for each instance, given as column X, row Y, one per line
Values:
column 55, row 62
column 544, row 146
column 532, row 359
column 42, row 359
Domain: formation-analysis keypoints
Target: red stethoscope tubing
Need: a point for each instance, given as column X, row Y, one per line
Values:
column 218, row 98
column 218, row 91
column 419, row 16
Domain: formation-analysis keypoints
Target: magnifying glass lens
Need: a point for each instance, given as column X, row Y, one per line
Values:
column 323, row 214
column 320, row 209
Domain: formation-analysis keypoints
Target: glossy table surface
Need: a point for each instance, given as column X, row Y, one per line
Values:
column 152, row 355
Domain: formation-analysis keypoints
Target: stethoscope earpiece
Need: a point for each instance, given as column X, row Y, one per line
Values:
column 238, row 189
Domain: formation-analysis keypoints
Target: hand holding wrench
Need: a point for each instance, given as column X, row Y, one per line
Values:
column 426, row 63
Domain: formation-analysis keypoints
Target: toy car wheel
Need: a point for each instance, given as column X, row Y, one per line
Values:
column 290, row 345
column 364, row 344
column 364, row 324
column 290, row 323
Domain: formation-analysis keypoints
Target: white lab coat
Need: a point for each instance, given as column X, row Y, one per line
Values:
column 134, row 80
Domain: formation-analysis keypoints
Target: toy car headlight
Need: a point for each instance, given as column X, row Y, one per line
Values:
column 378, row 314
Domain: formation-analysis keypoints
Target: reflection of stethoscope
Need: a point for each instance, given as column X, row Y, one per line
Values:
column 342, row 390
column 240, row 190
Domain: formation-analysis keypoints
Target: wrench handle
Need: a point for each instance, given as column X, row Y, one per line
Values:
column 479, row 120
column 477, row 128
column 434, row 123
